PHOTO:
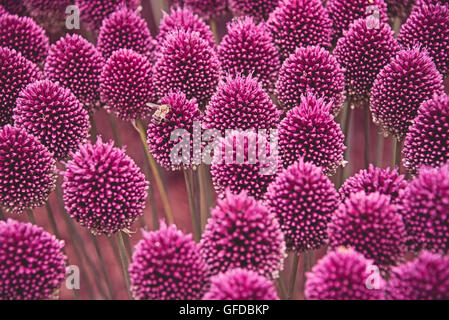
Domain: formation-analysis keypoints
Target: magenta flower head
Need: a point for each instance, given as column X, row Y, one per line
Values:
column 25, row 36
column 385, row 181
column 2, row 10
column 242, row 233
column 300, row 23
column 428, row 26
column 16, row 72
column 126, row 85
column 311, row 70
column 176, row 114
column 370, row 224
column 125, row 29
column 407, row 81
column 363, row 52
column 259, row 9
column 27, row 170
column 76, row 64
column 248, row 49
column 93, row 12
column 309, row 131
column 343, row 274
column 241, row 284
column 241, row 103
column 303, row 199
column 207, row 9
column 167, row 265
column 426, row 210
column 14, row 6
column 184, row 19
column 32, row 263
column 425, row 278
column 427, row 142
column 53, row 115
column 420, row 3
column 187, row 63
column 104, row 190
column 345, row 12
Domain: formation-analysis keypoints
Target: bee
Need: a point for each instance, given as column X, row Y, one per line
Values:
column 161, row 111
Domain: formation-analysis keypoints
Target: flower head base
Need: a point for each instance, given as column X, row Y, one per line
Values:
column 259, row 9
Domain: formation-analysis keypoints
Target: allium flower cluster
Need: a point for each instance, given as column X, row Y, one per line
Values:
column 260, row 9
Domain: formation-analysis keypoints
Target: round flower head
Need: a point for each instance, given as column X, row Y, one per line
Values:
column 428, row 26
column 104, row 190
column 311, row 70
column 14, row 6
column 426, row 210
column 345, row 12
column 49, row 13
column 32, row 263
column 260, row 9
column 385, row 181
column 426, row 278
column 370, row 224
column 242, row 162
column 126, row 84
column 309, row 131
column 303, row 199
column 16, row 72
column 76, row 64
column 184, row 19
column 27, row 170
column 176, row 113
column 363, row 52
column 167, row 265
column 343, row 274
column 427, row 142
column 125, row 29
column 241, row 103
column 242, row 233
column 420, row 3
column 25, row 36
column 300, row 23
column 248, row 49
column 53, row 115
column 207, row 9
column 241, row 284
column 93, row 12
column 187, row 63
column 408, row 80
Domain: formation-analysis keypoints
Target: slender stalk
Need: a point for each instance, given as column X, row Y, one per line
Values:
column 346, row 124
column 293, row 272
column 213, row 27
column 123, row 260
column 195, row 222
column 282, row 289
column 93, row 129
column 204, row 210
column 102, row 266
column 129, row 250
column 396, row 154
column 2, row 215
column 307, row 265
column 52, row 220
column 366, row 114
column 379, row 150
column 30, row 216
column 154, row 215
column 114, row 128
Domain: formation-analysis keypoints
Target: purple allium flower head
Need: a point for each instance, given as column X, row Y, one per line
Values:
column 311, row 70
column 400, row 88
column 76, row 64
column 310, row 131
column 241, row 284
column 428, row 26
column 425, row 278
column 303, row 199
column 186, row 62
column 420, row 3
column 364, row 52
column 27, row 170
column 427, row 142
column 53, row 115
column 248, row 49
column 241, row 103
column 167, row 265
column 207, row 9
column 242, row 233
column 126, row 84
column 385, row 181
column 93, row 12
column 345, row 12
column 2, row 10
column 426, row 210
column 16, row 72
column 25, row 36
column 242, row 162
column 14, row 6
column 372, row 225
column 300, row 23
column 104, row 189
column 184, row 19
column 260, row 9
column 181, row 115
column 342, row 274
column 125, row 29
column 32, row 262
